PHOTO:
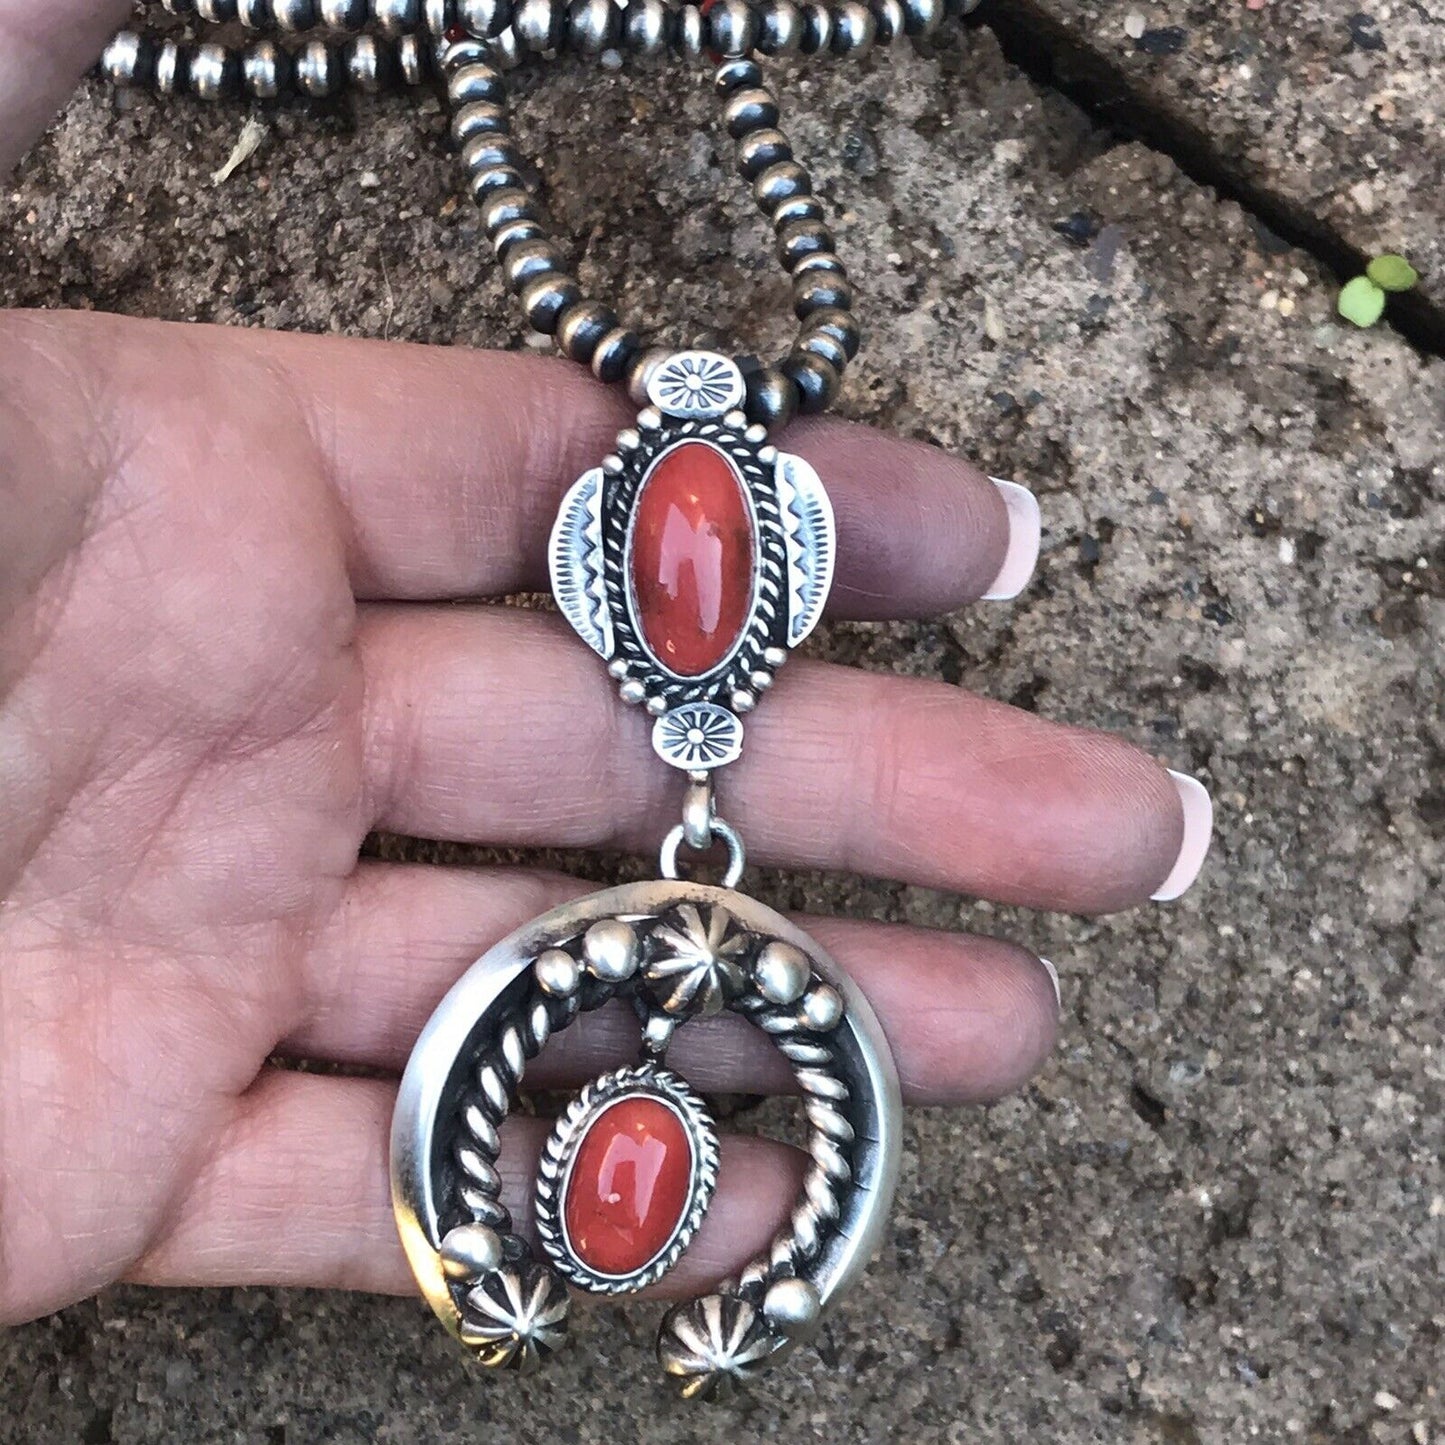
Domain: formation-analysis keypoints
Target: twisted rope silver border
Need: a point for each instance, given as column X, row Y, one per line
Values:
column 522, row 1030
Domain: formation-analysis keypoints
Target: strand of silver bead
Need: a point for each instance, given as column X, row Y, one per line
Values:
column 480, row 40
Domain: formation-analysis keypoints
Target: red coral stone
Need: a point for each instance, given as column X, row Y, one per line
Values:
column 629, row 1186
column 692, row 559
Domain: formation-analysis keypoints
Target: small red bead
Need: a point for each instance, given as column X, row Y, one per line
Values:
column 693, row 559
column 629, row 1186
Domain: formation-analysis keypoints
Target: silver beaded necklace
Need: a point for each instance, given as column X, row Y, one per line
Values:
column 757, row 532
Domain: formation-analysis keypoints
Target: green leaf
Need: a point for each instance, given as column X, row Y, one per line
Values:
column 1362, row 302
column 1393, row 273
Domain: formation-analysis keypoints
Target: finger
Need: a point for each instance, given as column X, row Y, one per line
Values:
column 43, row 50
column 450, row 464
column 491, row 725
column 969, row 1019
column 297, row 1194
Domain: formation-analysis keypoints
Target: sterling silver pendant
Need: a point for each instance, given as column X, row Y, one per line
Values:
column 693, row 559
column 676, row 952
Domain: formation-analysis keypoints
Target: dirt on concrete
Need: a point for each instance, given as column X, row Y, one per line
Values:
column 1218, row 1215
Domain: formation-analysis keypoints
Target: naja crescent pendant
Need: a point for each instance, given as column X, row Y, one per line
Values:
column 692, row 560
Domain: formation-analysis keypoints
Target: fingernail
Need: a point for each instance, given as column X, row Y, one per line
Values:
column 1054, row 979
column 1198, row 829
column 1024, row 531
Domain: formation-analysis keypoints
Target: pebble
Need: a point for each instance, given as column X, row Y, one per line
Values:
column 1135, row 24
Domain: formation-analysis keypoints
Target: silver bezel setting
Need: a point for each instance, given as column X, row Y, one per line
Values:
column 794, row 547
column 559, row 1155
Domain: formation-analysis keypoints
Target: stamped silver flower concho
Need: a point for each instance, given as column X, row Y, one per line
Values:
column 692, row 560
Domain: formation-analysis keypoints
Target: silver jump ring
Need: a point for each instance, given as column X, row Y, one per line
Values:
column 718, row 831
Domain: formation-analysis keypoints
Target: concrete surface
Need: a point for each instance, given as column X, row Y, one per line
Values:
column 1327, row 114
column 1218, row 1216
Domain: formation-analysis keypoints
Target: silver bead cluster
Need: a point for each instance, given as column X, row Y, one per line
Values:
column 809, row 378
column 264, row 69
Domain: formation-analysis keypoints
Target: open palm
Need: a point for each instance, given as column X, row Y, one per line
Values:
column 230, row 648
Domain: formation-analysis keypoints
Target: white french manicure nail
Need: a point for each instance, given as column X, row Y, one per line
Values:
column 1198, row 829
column 1025, row 529
column 1054, row 979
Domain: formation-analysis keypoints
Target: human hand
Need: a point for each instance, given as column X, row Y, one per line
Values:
column 229, row 649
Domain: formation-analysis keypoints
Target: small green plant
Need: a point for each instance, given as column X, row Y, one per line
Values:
column 1363, row 299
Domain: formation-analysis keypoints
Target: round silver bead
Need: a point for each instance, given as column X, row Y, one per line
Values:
column 782, row 973
column 775, row 657
column 822, row 1008
column 743, row 701
column 689, row 32
column 211, row 71
column 396, row 17
column 779, row 183
column 479, row 117
column 853, row 28
column 294, row 16
column 364, row 64
column 888, row 21
column 609, row 949
column 750, row 110
column 218, row 12
column 505, row 50
column 780, row 27
column 170, row 68
column 126, row 59
column 818, row 382
column 538, row 24
column 343, row 14
column 817, row 37
column 760, row 149
column 645, row 27
column 470, row 1250
column 614, row 352
column 484, row 18
column 792, row 1307
column 557, row 973
column 437, row 17
column 797, row 208
column 412, row 59
column 732, row 28
column 581, row 328
column 544, row 300
column 922, row 17
column 529, row 260
column 316, row 70
column 470, row 83
column 594, row 26
column 264, row 68
column 632, row 692
column 254, row 14
column 798, row 240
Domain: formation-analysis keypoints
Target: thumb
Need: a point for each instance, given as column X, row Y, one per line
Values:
column 44, row 49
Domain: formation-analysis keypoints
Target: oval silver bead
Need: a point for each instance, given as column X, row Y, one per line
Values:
column 689, row 32
column 594, row 26
column 343, row 14
column 780, row 27
column 294, row 16
column 853, row 28
column 396, row 17
column 365, row 64
column 316, row 70
column 645, row 27
column 484, row 18
column 538, row 24
column 264, row 70
column 124, row 61
column 211, row 71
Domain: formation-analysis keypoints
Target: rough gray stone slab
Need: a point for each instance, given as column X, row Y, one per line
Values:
column 1217, row 1215
column 1329, row 114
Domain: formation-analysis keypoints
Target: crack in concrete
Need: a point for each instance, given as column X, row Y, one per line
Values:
column 1051, row 57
